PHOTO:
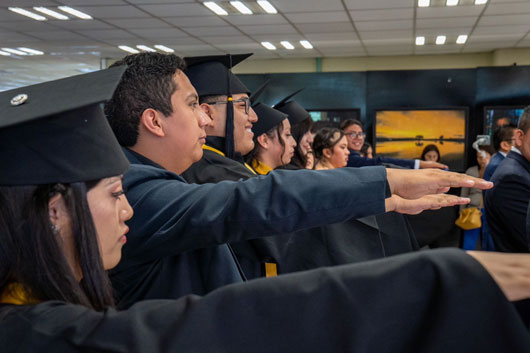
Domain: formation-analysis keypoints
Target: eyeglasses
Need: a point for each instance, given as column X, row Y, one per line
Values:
column 245, row 100
column 355, row 134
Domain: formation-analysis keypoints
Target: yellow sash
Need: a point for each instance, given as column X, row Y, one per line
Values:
column 260, row 167
column 15, row 294
column 210, row 148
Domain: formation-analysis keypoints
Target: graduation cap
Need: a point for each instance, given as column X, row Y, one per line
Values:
column 56, row 131
column 267, row 119
column 295, row 111
column 258, row 92
column 211, row 76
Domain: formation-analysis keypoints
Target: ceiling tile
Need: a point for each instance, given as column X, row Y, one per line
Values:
column 177, row 10
column 249, row 47
column 515, row 29
column 25, row 26
column 475, row 39
column 508, row 8
column 212, row 31
column 108, row 34
column 256, row 20
column 443, row 23
column 225, row 40
column 448, row 31
column 325, row 27
column 154, row 33
column 277, row 29
column 384, row 25
column 385, row 41
column 195, row 21
column 112, row 11
column 56, row 35
column 501, row 19
column 453, row 11
column 146, row 2
column 386, row 34
column 13, row 37
column 345, row 44
column 74, row 25
column 331, row 36
column 376, row 4
column 312, row 17
column 137, row 23
column 380, row 15
column 307, row 5
column 92, row 2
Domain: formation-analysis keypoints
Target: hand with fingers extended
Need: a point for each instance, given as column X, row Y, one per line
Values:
column 432, row 164
column 427, row 202
column 510, row 271
column 413, row 184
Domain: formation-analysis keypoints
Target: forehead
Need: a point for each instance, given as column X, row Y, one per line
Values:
column 184, row 85
column 354, row 127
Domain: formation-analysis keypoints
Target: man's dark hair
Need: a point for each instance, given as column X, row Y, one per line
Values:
column 147, row 83
column 347, row 123
column 504, row 133
column 524, row 120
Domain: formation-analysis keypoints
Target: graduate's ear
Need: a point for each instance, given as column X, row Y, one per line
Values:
column 208, row 109
column 152, row 121
column 263, row 141
column 327, row 152
column 59, row 216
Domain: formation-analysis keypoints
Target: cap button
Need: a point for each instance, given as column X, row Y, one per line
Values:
column 19, row 99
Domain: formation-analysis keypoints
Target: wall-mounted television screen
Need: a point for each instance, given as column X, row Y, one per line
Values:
column 405, row 133
column 495, row 117
column 335, row 117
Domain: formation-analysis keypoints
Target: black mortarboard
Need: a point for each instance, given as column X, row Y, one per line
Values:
column 267, row 119
column 211, row 76
column 295, row 111
column 56, row 131
column 258, row 92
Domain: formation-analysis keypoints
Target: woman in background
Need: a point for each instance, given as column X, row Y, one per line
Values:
column 430, row 153
column 330, row 148
column 274, row 146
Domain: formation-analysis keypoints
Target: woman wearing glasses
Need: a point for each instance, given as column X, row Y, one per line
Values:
column 353, row 130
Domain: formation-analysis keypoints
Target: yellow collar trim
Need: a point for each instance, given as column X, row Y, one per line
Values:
column 215, row 150
column 15, row 294
column 260, row 167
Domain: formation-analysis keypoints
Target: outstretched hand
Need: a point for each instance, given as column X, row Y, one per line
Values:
column 510, row 271
column 413, row 184
column 431, row 164
column 428, row 202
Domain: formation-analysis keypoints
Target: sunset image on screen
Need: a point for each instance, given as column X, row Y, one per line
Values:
column 404, row 134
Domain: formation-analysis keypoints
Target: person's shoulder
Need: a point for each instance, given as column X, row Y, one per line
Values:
column 139, row 173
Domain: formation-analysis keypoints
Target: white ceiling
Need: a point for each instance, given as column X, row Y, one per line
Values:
column 334, row 27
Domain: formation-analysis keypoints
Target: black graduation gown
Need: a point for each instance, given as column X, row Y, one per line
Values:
column 176, row 243
column 334, row 244
column 432, row 301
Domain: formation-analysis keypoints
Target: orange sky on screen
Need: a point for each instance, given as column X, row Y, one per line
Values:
column 430, row 124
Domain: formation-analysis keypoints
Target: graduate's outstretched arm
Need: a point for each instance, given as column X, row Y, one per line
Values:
column 427, row 202
column 432, row 164
column 413, row 184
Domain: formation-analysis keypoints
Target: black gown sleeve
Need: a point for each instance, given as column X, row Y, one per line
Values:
column 431, row 301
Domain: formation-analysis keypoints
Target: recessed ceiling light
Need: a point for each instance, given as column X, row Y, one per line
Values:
column 32, row 51
column 27, row 13
column 215, row 8
column 451, row 2
column 306, row 44
column 14, row 51
column 128, row 49
column 145, row 48
column 440, row 40
column 424, row 3
column 268, row 45
column 287, row 45
column 480, row 2
column 164, row 48
column 75, row 12
column 51, row 13
column 267, row 6
column 461, row 39
column 420, row 40
column 241, row 7
column 4, row 53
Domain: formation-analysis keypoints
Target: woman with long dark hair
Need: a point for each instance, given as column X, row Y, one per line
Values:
column 62, row 223
column 273, row 143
